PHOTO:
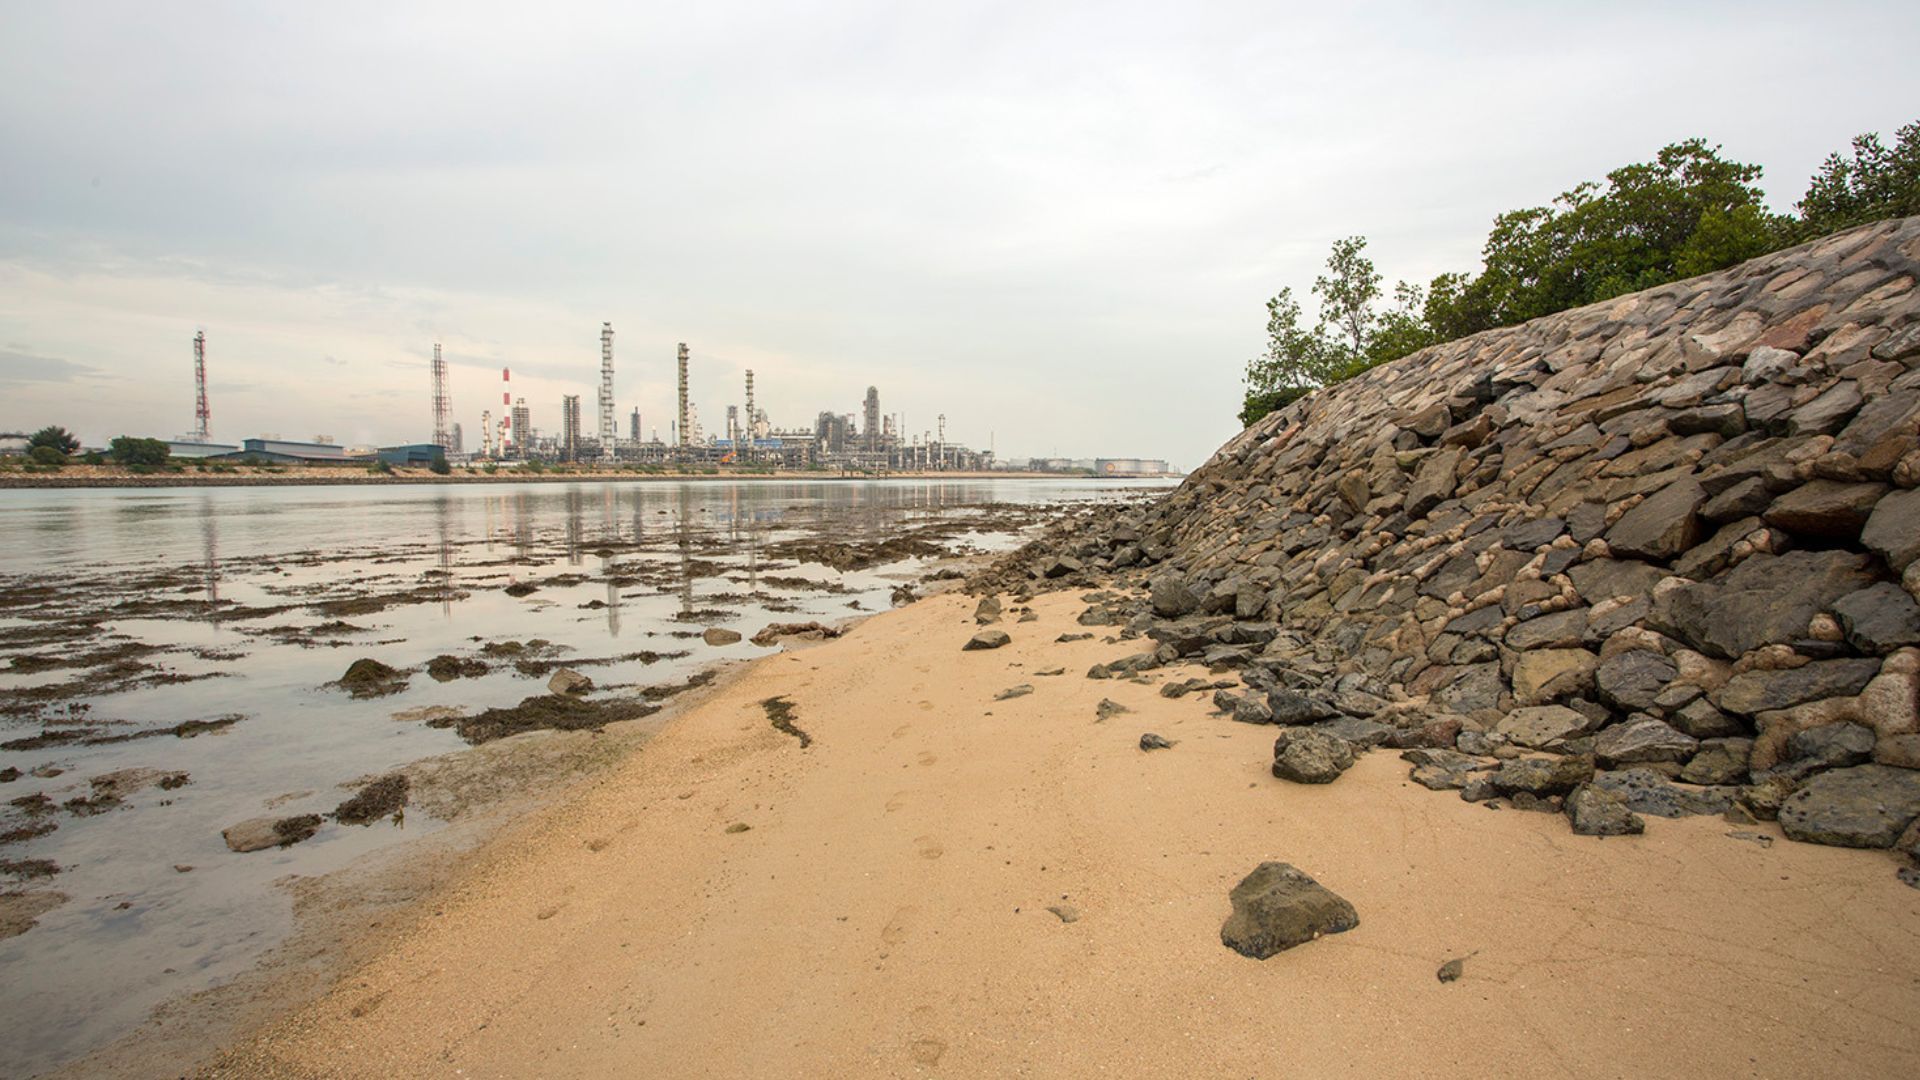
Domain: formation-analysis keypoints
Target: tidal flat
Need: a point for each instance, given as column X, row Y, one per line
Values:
column 174, row 663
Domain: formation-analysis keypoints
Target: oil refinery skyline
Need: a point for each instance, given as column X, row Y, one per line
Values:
column 625, row 432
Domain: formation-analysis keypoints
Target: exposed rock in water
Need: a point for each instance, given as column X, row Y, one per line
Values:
column 256, row 834
column 381, row 798
column 986, row 639
column 569, row 681
column 1277, row 907
column 807, row 631
column 719, row 635
column 368, row 677
column 554, row 711
column 444, row 668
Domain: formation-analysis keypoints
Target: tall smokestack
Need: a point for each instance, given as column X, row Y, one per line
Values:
column 606, row 389
column 682, row 437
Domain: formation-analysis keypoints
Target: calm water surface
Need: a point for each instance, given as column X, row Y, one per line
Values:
column 187, row 605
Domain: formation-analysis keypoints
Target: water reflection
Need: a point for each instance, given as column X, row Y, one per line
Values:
column 210, row 551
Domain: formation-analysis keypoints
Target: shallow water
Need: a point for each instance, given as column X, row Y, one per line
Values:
column 185, row 605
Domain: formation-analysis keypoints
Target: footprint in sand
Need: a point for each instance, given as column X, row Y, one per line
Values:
column 895, row 931
column 895, row 801
column 928, row 847
column 927, row 1050
column 901, row 731
column 926, row 706
column 549, row 912
column 926, row 758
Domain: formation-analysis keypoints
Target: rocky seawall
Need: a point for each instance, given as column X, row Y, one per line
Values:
column 1656, row 556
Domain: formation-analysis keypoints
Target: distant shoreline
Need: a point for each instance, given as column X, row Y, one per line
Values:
column 82, row 476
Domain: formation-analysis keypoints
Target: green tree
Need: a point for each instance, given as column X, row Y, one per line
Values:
column 1347, row 292
column 138, row 454
column 1403, row 328
column 46, row 455
column 1295, row 360
column 439, row 464
column 58, row 438
column 1873, row 183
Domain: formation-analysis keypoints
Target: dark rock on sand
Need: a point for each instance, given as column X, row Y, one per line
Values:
column 1597, row 812
column 1305, row 756
column 1277, row 907
column 1867, row 806
column 1150, row 741
column 986, row 639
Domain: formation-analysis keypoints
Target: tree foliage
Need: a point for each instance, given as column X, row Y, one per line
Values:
column 58, row 438
column 135, row 453
column 439, row 466
column 1875, row 182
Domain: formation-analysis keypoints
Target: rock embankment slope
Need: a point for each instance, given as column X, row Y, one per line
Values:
column 1656, row 555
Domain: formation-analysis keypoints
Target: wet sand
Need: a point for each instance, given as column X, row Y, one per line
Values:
column 885, row 912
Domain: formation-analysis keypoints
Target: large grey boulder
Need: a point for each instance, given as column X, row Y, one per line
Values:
column 1433, row 481
column 1893, row 530
column 986, row 639
column 1662, row 526
column 1277, row 907
column 1648, row 792
column 1291, row 707
column 1825, row 508
column 1630, row 681
column 1829, row 746
column 1538, row 726
column 1542, row 776
column 1879, row 618
column 1594, row 812
column 1867, row 806
column 1764, row 600
column 1172, row 597
column 1759, row 691
column 1306, row 756
column 1719, row 761
column 1642, row 740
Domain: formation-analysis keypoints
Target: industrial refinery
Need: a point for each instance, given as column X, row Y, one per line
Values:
column 869, row 440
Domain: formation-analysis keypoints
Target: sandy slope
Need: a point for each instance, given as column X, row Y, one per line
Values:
column 886, row 914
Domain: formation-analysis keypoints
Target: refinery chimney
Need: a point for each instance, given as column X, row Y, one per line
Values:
column 606, row 389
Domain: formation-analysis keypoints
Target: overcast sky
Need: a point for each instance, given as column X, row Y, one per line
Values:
column 1055, row 223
